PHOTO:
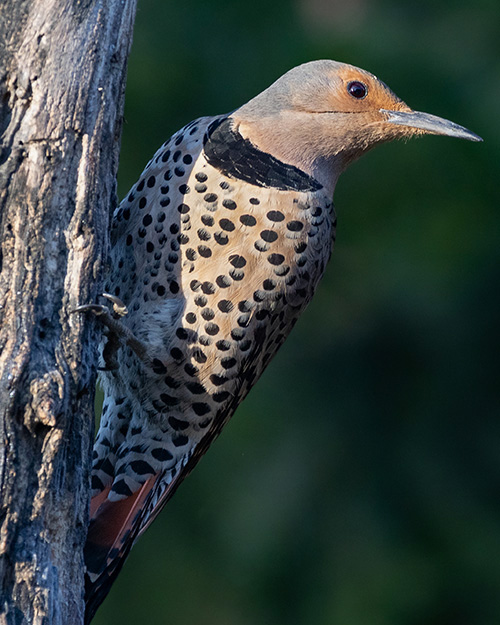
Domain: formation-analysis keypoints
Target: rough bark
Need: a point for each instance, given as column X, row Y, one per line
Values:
column 62, row 73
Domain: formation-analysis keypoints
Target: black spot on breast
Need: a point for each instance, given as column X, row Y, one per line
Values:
column 141, row 467
column 269, row 236
column 237, row 261
column 245, row 306
column 275, row 216
column 282, row 271
column 158, row 366
column 276, row 259
column 221, row 238
column 295, row 226
column 204, row 235
column 208, row 220
column 237, row 274
column 172, row 382
column 220, row 396
column 225, row 305
column 226, row 224
column 259, row 296
column 169, row 400
column 204, row 251
column 207, row 314
column 260, row 246
column 201, row 408
column 199, row 355
column 162, row 455
column 121, row 488
column 237, row 334
column 178, row 424
column 195, row 387
column 176, row 353
column 180, row 441
column 244, row 320
column 223, row 282
column 228, row 362
column 96, row 483
column 212, row 329
column 248, row 220
column 208, row 288
column 218, row 380
column 190, row 369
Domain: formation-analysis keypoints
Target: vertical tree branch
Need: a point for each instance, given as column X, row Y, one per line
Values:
column 62, row 74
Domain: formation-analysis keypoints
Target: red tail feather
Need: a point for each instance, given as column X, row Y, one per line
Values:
column 114, row 527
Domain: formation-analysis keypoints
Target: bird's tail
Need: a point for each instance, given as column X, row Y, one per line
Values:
column 113, row 529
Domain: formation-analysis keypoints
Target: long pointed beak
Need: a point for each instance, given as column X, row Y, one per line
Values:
column 430, row 123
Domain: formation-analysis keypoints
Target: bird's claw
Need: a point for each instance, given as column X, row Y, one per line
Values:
column 97, row 309
column 119, row 308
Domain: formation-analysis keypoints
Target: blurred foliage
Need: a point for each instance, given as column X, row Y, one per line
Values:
column 359, row 484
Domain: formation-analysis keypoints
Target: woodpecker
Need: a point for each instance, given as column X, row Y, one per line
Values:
column 215, row 252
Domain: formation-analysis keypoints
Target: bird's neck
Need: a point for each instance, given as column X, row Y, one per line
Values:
column 298, row 148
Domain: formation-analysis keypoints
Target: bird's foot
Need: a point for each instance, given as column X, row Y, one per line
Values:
column 118, row 334
column 119, row 308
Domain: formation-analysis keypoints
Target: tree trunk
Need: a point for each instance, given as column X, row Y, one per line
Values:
column 62, row 75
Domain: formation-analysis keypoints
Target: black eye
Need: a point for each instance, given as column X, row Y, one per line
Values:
column 357, row 89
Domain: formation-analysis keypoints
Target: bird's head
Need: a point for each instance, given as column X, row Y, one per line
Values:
column 322, row 115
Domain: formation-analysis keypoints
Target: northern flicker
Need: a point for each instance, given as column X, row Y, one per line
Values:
column 216, row 251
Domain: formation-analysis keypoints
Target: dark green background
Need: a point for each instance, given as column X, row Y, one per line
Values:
column 359, row 484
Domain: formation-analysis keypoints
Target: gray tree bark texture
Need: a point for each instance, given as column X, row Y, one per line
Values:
column 62, row 76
